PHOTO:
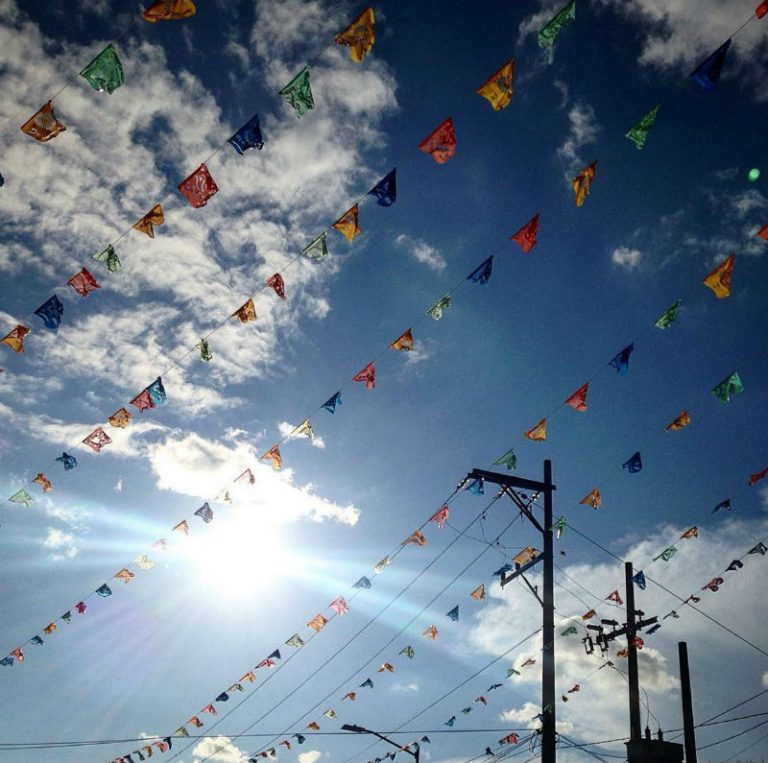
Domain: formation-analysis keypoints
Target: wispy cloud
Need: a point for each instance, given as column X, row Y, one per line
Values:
column 627, row 258
column 422, row 252
column 62, row 545
column 583, row 131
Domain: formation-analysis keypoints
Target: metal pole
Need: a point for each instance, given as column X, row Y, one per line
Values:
column 685, row 690
column 548, row 697
column 634, row 683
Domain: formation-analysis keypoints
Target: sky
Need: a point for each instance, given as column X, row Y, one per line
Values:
column 506, row 354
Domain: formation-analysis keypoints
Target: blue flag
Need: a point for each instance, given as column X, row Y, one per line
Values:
column 157, row 391
column 450, row 721
column 300, row 738
column 476, row 487
column 634, row 464
column 51, row 312
column 6, row 662
column 385, row 190
column 104, row 591
column 726, row 504
column 425, row 740
column 223, row 697
column 36, row 640
column 639, row 579
column 367, row 684
column 707, row 73
column 248, row 136
column 503, row 570
column 362, row 583
column 454, row 613
column 205, row 513
column 621, row 361
column 482, row 274
column 70, row 462
column 330, row 405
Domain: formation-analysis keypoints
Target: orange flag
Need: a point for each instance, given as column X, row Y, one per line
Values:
column 578, row 400
column 403, row 342
column 147, row 223
column 594, row 499
column 43, row 125
column 246, row 312
column 347, row 224
column 680, row 422
column 539, row 432
column 169, row 10
column 719, row 280
column 273, row 455
column 582, row 182
column 15, row 338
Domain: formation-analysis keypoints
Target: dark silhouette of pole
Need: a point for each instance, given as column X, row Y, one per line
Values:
column 685, row 690
column 633, row 680
column 548, row 698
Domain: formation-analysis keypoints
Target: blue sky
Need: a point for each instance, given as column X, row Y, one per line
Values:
column 505, row 355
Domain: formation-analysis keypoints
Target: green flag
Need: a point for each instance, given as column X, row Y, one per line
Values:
column 760, row 548
column 559, row 526
column 105, row 72
column 205, row 350
column 408, row 652
column 299, row 93
column 639, row 133
column 666, row 554
column 509, row 459
column 732, row 385
column 512, row 672
column 569, row 631
column 668, row 316
column 548, row 34
column 22, row 497
column 318, row 249
column 109, row 256
column 436, row 311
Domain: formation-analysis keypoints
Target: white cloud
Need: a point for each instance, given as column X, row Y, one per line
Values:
column 674, row 38
column 63, row 545
column 218, row 750
column 193, row 465
column 119, row 485
column 310, row 756
column 408, row 688
column 626, row 258
column 583, row 131
column 422, row 252
column 765, row 679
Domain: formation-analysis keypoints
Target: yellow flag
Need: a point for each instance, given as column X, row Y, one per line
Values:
column 169, row 10
column 479, row 592
column 359, row 36
column 582, row 182
column 403, row 342
column 498, row 89
column 347, row 224
column 526, row 555
column 680, row 422
column 147, row 223
column 719, row 280
column 15, row 338
column 246, row 312
column 43, row 125
column 539, row 432
column 594, row 499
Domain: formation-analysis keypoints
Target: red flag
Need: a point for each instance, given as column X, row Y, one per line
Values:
column 277, row 283
column 758, row 476
column 761, row 9
column 143, row 401
column 763, row 232
column 526, row 236
column 578, row 400
column 198, row 187
column 367, row 375
column 83, row 283
column 441, row 143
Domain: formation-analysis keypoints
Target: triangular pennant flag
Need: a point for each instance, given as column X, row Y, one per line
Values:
column 407, row 652
column 350, row 695
column 528, row 554
column 436, row 311
column 359, row 36
column 615, row 596
column 679, row 423
column 735, row 565
column 583, row 182
column 578, row 400
column 440, row 517
column 277, row 283
column 363, row 583
column 205, row 350
column 453, row 614
column 566, row 15
column 593, row 499
column 314, row 725
column 668, row 316
column 753, row 478
column 380, row 565
column 479, row 592
column 430, row 633
column 44, row 482
column 331, row 403
column 719, row 280
column 559, row 526
column 120, row 418
column 84, row 283
column 205, row 513
column 339, row 606
column 367, row 375
column 417, row 537
column 144, row 562
column 183, row 527
column 248, row 136
column 666, row 554
column 105, row 72
column 440, row 144
column 691, row 532
column 210, row 709
column 385, row 190
column 169, row 10
column 22, row 497
column 246, row 313
column 298, row 93
column 317, row 623
column 639, row 580
column 43, row 125
column 482, row 273
column 731, row 385
column 295, row 641
column 97, row 439
column 247, row 475
column 273, row 455
column 707, row 73
column 509, row 459
column 499, row 87
column 713, row 585
column 388, row 667
column 347, row 224
column 726, row 504
column 125, row 575
column 526, row 236
column 15, row 338
column 639, row 133
column 476, row 487
column 633, row 464
column 537, row 432
column 403, row 342
column 70, row 462
column 317, row 249
column 367, row 684
column 51, row 312
column 760, row 548
column 571, row 630
column 304, row 430
column 198, row 187
column 621, row 361
column 110, row 258
column 147, row 223
column 104, row 591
